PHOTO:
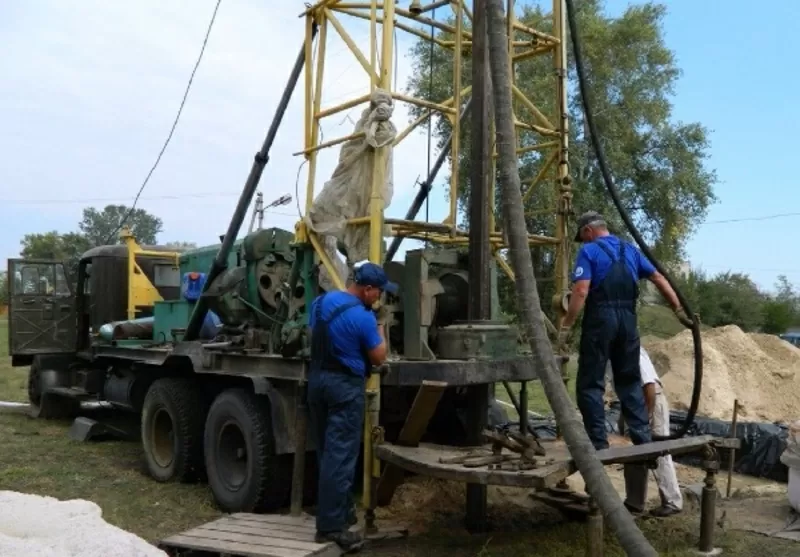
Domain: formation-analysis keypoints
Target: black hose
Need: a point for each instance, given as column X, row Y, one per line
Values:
column 694, row 324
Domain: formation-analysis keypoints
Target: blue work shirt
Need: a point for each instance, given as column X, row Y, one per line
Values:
column 593, row 263
column 352, row 333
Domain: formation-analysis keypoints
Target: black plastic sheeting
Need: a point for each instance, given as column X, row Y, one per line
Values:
column 759, row 456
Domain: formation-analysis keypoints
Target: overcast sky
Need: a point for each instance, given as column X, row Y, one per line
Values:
column 90, row 88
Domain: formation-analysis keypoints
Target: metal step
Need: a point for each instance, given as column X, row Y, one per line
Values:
column 72, row 392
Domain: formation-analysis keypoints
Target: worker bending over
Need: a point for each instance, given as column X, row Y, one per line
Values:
column 666, row 478
column 346, row 341
column 606, row 275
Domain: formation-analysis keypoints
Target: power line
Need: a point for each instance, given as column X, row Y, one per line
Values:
column 174, row 124
column 746, row 219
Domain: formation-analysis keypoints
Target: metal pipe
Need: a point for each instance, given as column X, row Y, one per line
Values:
column 732, row 435
column 480, row 282
column 262, row 157
column 426, row 186
column 299, row 465
column 708, row 509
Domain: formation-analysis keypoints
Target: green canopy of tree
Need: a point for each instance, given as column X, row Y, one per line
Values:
column 95, row 228
column 730, row 298
column 659, row 165
column 51, row 245
column 103, row 227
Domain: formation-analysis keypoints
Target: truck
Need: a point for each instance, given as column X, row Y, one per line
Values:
column 223, row 408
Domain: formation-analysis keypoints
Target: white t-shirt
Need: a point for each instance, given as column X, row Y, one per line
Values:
column 648, row 371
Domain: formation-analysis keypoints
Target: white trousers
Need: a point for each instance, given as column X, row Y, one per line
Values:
column 666, row 478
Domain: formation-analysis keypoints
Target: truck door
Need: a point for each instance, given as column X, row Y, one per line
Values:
column 41, row 312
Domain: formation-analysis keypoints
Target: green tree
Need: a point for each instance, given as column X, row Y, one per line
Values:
column 103, row 227
column 725, row 299
column 659, row 165
column 61, row 247
column 781, row 310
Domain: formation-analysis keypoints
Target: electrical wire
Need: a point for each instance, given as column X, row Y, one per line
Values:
column 171, row 131
column 694, row 325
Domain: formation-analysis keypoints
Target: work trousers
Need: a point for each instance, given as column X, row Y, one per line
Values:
column 610, row 334
column 666, row 478
column 336, row 408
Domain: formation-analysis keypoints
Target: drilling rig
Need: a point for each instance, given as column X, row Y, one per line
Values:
column 216, row 360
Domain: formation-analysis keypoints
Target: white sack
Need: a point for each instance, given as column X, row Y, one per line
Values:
column 346, row 195
column 35, row 526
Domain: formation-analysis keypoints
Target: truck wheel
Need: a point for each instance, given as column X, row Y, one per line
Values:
column 244, row 472
column 53, row 407
column 172, row 430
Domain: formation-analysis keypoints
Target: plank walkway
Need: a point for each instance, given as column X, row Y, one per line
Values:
column 252, row 535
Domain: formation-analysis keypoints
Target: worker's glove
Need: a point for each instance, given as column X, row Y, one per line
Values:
column 563, row 337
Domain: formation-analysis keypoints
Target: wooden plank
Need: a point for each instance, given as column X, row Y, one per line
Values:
column 237, row 548
column 650, row 451
column 422, row 410
column 254, row 540
column 305, row 521
column 242, row 527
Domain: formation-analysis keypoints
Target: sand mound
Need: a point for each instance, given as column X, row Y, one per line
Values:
column 762, row 371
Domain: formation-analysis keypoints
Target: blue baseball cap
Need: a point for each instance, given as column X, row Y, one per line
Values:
column 370, row 274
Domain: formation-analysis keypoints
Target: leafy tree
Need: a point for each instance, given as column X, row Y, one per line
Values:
column 725, row 299
column 51, row 245
column 781, row 310
column 659, row 165
column 103, row 227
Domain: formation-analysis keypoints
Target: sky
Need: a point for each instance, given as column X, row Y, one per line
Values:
column 91, row 89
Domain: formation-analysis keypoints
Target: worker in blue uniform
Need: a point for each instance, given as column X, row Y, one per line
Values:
column 347, row 339
column 605, row 285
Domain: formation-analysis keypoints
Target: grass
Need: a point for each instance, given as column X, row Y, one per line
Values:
column 39, row 458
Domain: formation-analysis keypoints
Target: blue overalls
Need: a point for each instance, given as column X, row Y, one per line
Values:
column 609, row 332
column 336, row 406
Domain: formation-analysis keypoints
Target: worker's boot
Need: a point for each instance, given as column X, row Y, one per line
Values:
column 664, row 511
column 347, row 540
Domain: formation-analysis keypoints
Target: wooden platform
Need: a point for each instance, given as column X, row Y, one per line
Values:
column 557, row 465
column 252, row 535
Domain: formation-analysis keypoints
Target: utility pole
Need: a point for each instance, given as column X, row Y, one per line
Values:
column 479, row 308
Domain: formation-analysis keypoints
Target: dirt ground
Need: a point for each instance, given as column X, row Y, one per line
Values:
column 38, row 457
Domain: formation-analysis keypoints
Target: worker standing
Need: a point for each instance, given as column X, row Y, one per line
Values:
column 666, row 478
column 346, row 341
column 605, row 281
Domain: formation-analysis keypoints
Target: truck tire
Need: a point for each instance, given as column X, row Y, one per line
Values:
column 173, row 415
column 55, row 407
column 244, row 473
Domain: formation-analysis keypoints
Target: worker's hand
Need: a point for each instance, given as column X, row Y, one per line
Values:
column 382, row 315
column 680, row 313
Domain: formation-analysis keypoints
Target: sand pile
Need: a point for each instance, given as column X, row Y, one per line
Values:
column 762, row 371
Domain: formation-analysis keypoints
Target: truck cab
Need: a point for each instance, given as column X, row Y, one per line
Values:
column 53, row 311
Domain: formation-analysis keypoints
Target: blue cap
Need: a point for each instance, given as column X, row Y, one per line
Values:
column 370, row 274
